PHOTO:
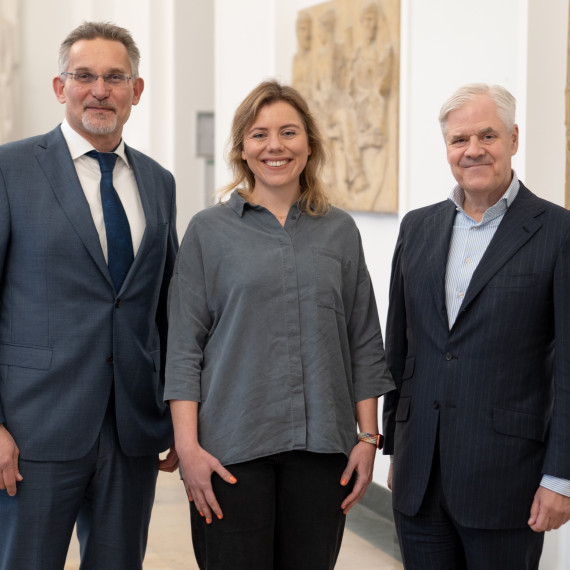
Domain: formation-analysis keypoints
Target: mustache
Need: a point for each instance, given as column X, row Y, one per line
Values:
column 475, row 162
column 101, row 104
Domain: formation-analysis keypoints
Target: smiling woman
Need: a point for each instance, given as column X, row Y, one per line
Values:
column 276, row 149
column 275, row 353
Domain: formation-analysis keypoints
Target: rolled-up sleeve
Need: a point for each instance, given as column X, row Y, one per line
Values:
column 189, row 321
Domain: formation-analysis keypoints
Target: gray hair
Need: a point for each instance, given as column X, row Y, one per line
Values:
column 506, row 103
column 106, row 31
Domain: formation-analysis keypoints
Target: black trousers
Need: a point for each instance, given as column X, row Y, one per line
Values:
column 283, row 514
column 433, row 540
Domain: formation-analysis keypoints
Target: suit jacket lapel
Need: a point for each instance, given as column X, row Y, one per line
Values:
column 437, row 233
column 144, row 177
column 56, row 162
column 517, row 227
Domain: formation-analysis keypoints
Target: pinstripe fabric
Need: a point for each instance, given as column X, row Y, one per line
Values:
column 432, row 540
column 469, row 241
column 486, row 384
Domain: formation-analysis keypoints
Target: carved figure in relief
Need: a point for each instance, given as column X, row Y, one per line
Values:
column 370, row 84
column 371, row 77
column 303, row 59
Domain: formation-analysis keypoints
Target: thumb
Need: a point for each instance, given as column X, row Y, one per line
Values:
column 347, row 475
column 534, row 510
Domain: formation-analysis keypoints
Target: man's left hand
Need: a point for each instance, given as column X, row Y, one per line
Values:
column 549, row 511
column 170, row 462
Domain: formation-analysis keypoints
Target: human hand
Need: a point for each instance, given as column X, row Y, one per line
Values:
column 390, row 476
column 9, row 453
column 549, row 510
column 361, row 460
column 197, row 466
column 170, row 462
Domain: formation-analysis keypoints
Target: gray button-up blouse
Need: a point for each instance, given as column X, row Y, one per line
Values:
column 273, row 330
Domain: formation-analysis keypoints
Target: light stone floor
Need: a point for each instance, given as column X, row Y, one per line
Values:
column 170, row 548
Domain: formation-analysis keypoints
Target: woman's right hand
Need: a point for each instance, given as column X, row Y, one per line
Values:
column 197, row 467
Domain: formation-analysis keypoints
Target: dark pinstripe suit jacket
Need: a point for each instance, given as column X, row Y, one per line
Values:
column 497, row 385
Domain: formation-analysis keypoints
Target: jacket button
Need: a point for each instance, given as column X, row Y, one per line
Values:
column 436, row 405
column 448, row 356
column 110, row 359
column 118, row 303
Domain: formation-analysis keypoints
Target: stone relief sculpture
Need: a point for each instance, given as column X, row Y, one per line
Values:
column 9, row 62
column 348, row 71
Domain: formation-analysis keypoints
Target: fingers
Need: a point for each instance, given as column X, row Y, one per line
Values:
column 347, row 474
column 361, row 462
column 225, row 474
column 9, row 453
column 549, row 510
column 170, row 462
column 390, row 476
column 8, row 480
column 207, row 505
column 360, row 486
column 204, row 497
column 534, row 510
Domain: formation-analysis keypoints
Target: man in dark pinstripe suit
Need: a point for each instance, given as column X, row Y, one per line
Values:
column 478, row 343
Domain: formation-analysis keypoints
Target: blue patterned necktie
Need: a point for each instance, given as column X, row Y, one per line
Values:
column 119, row 242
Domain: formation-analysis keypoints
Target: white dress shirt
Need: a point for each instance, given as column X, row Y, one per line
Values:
column 124, row 182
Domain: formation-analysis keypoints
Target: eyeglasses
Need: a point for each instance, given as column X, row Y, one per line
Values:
column 89, row 78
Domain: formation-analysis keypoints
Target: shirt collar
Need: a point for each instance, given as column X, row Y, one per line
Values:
column 457, row 196
column 78, row 146
column 237, row 203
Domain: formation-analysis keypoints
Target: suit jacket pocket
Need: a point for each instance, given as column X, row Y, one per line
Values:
column 519, row 424
column 403, row 410
column 513, row 281
column 26, row 356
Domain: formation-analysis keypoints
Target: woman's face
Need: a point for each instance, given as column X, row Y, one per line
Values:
column 276, row 148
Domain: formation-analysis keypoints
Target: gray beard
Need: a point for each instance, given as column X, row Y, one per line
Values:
column 99, row 129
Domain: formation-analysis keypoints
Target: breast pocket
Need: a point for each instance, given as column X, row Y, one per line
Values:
column 329, row 269
column 513, row 280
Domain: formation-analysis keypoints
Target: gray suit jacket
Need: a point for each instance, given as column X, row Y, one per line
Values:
column 494, row 385
column 67, row 339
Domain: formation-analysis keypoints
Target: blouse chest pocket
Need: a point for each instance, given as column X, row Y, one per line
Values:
column 329, row 269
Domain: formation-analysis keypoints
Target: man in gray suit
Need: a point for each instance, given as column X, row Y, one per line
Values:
column 86, row 255
column 478, row 343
